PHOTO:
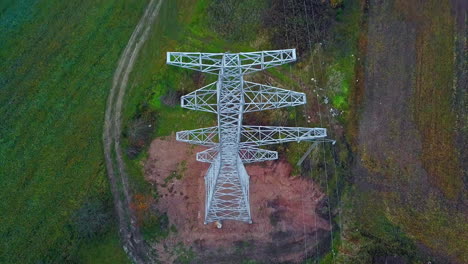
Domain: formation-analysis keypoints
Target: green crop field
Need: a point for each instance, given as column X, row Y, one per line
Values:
column 57, row 59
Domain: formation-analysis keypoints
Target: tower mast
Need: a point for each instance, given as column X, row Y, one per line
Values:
column 230, row 143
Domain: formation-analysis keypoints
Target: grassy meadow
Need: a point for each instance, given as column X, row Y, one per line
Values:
column 57, row 59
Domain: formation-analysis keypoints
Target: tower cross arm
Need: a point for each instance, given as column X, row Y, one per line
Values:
column 203, row 62
column 208, row 155
column 252, row 154
column 265, row 135
column 248, row 62
column 203, row 136
column 203, row 99
column 261, row 60
column 258, row 97
column 246, row 154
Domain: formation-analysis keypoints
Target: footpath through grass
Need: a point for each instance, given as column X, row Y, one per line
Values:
column 57, row 59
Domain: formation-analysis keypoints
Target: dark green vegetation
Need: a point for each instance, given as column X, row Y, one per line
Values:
column 91, row 219
column 57, row 59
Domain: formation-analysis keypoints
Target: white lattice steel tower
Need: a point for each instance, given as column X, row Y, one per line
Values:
column 230, row 143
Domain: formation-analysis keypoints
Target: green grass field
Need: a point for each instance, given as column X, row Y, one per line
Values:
column 57, row 59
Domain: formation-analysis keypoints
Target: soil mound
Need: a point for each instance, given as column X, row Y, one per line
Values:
column 286, row 226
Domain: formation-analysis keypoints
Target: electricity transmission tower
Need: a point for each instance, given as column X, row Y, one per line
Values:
column 232, row 144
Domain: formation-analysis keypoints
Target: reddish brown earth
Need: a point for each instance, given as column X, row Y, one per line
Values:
column 285, row 224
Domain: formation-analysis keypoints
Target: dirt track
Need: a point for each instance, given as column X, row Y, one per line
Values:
column 129, row 232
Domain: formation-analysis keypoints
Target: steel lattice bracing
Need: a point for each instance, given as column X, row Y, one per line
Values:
column 257, row 97
column 230, row 143
column 253, row 135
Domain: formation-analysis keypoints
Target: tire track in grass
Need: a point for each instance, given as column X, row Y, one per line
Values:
column 130, row 234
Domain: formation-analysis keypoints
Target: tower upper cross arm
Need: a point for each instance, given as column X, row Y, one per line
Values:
column 258, row 61
column 203, row 62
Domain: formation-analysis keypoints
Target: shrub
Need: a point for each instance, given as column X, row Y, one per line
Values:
column 138, row 133
column 171, row 98
column 236, row 20
column 156, row 226
column 91, row 219
column 294, row 25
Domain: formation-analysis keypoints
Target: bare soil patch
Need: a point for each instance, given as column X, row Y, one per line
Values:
column 286, row 226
